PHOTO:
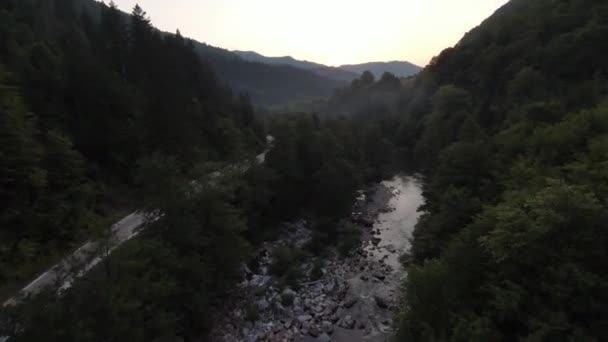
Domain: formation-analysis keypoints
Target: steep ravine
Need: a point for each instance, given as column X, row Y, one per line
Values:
column 355, row 298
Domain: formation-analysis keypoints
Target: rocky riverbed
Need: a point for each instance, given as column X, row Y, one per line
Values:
column 355, row 297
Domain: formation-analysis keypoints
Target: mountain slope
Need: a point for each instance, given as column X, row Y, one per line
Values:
column 333, row 73
column 344, row 72
column 268, row 84
column 288, row 60
column 91, row 110
column 511, row 128
column 397, row 68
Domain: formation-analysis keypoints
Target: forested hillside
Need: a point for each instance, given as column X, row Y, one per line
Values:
column 270, row 85
column 365, row 96
column 83, row 102
column 333, row 73
column 398, row 68
column 108, row 114
column 340, row 73
column 511, row 128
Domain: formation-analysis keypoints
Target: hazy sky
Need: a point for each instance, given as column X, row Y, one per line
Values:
column 331, row 32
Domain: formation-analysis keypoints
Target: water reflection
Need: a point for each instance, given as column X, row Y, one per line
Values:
column 395, row 227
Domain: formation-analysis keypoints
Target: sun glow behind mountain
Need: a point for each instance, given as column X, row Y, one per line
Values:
column 331, row 32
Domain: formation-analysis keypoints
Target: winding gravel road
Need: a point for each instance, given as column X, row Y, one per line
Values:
column 84, row 258
column 91, row 253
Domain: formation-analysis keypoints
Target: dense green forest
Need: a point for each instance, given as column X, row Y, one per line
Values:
column 270, row 86
column 82, row 102
column 511, row 128
column 92, row 110
column 103, row 113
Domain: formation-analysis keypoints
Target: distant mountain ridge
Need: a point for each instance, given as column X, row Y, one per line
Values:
column 343, row 72
column 269, row 85
column 397, row 68
column 334, row 73
column 273, row 82
column 256, row 57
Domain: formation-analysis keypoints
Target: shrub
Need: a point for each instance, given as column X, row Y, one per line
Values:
column 251, row 313
column 287, row 299
column 317, row 270
column 350, row 238
column 286, row 258
column 260, row 291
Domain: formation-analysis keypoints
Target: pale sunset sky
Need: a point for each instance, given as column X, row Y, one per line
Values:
column 331, row 32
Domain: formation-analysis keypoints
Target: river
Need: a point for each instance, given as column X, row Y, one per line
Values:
column 396, row 226
column 357, row 297
column 383, row 273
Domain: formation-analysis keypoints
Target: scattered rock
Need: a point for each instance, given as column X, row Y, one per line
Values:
column 382, row 302
column 262, row 304
column 320, row 305
column 347, row 322
column 350, row 302
column 289, row 292
column 405, row 259
column 324, row 338
column 304, row 318
column 259, row 280
column 327, row 327
column 314, row 331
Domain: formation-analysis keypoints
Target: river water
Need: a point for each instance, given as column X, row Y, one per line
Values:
column 357, row 296
column 395, row 227
column 392, row 232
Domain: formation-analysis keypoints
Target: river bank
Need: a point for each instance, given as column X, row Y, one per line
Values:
column 355, row 297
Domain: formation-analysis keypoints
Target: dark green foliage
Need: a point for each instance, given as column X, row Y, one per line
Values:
column 285, row 259
column 287, row 299
column 252, row 314
column 98, row 102
column 90, row 91
column 511, row 243
column 317, row 270
column 45, row 196
column 510, row 128
column 93, row 102
column 313, row 172
column 350, row 238
column 365, row 97
column 168, row 283
column 271, row 86
column 527, row 268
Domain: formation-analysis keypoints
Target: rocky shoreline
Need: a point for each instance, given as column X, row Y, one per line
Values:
column 353, row 299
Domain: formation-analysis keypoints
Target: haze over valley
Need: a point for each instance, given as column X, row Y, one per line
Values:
column 303, row 171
